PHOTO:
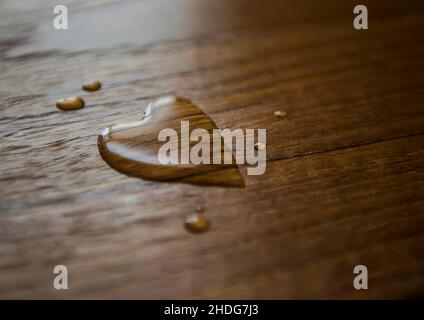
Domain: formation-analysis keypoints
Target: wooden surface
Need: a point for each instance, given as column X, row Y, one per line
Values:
column 344, row 183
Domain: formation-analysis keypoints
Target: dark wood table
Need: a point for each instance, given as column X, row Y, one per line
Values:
column 344, row 184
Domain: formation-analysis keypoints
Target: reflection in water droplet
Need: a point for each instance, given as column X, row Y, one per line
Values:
column 132, row 148
column 71, row 103
column 196, row 223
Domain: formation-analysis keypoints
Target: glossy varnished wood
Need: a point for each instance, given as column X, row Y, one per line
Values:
column 344, row 183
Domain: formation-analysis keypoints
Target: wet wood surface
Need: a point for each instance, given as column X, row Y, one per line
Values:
column 134, row 148
column 344, row 183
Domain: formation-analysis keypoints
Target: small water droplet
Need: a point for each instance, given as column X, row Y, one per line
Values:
column 132, row 148
column 260, row 146
column 71, row 103
column 92, row 85
column 196, row 223
column 199, row 209
column 280, row 114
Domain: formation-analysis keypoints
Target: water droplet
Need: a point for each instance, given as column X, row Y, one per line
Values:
column 199, row 209
column 260, row 146
column 196, row 223
column 92, row 86
column 71, row 103
column 280, row 114
column 132, row 148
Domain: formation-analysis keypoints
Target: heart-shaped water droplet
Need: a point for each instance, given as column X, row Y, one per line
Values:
column 132, row 148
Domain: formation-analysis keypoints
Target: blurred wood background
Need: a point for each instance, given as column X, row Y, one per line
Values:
column 344, row 183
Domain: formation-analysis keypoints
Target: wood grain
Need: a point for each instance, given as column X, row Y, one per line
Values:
column 344, row 183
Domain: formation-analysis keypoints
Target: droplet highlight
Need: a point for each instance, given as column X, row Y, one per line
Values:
column 132, row 148
column 71, row 103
